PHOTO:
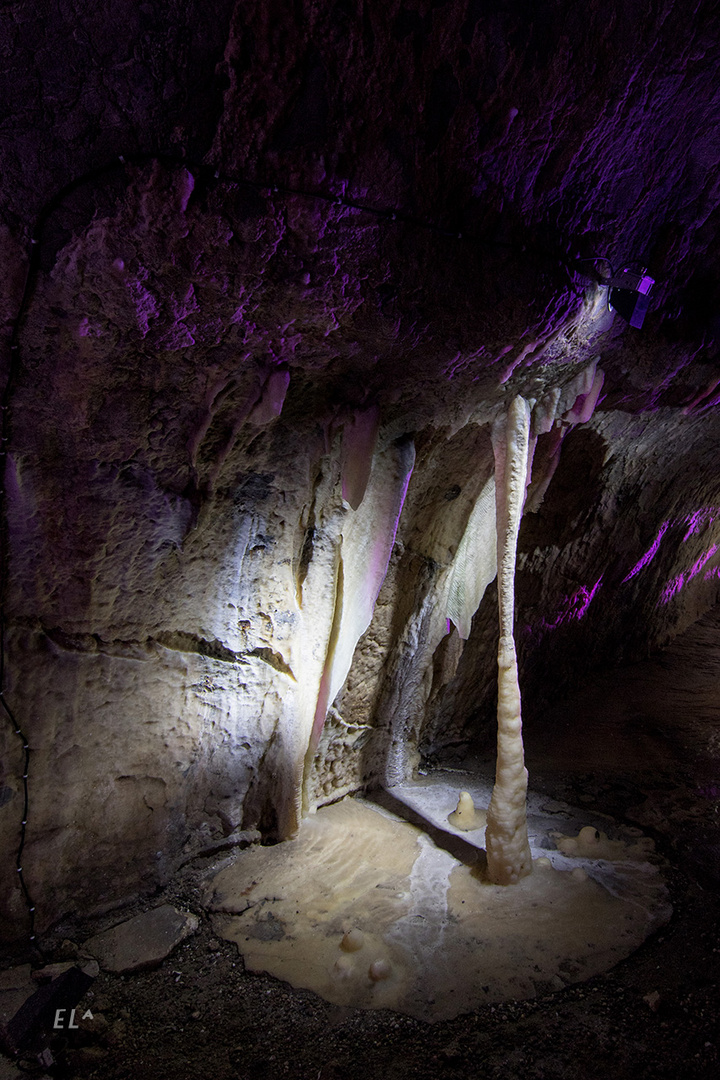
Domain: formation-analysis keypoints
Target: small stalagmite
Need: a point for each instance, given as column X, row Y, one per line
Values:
column 465, row 816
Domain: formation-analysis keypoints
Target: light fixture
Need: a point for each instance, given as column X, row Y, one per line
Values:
column 629, row 294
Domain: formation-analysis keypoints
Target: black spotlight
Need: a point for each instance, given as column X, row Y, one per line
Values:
column 629, row 295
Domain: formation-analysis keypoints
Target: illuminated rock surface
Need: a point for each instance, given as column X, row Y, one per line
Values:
column 204, row 371
column 442, row 938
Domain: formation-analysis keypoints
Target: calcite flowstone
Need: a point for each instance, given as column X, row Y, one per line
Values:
column 144, row 941
column 201, row 367
column 368, row 911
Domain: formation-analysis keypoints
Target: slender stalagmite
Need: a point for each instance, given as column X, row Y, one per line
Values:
column 506, row 838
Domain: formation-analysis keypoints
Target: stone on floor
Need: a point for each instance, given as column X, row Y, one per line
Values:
column 8, row 1071
column 16, row 985
column 143, row 941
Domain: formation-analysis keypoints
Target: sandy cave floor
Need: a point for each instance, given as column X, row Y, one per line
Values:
column 650, row 764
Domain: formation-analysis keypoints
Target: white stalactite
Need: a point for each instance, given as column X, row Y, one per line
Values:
column 366, row 544
column 506, row 838
column 475, row 563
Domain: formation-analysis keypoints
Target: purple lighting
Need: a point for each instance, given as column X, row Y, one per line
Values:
column 672, row 588
column 649, row 554
column 679, row 582
column 582, row 599
column 698, row 565
column 700, row 519
column 572, row 607
column 704, row 399
column 694, row 523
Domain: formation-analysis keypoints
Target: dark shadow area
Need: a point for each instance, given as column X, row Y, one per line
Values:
column 460, row 849
column 573, row 495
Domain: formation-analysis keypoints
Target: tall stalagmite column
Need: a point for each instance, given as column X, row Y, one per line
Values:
column 506, row 839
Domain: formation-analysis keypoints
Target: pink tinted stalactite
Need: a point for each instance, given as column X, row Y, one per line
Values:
column 358, row 444
column 273, row 397
column 546, row 458
column 185, row 188
column 585, row 404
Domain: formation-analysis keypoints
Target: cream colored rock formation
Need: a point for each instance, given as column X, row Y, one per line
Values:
column 506, row 839
column 465, row 816
column 223, row 602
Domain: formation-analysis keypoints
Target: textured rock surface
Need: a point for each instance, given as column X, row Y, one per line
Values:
column 142, row 942
column 16, row 985
column 8, row 1071
column 193, row 353
column 432, row 937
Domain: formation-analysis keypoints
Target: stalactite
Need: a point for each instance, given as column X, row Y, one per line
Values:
column 585, row 392
column 358, row 445
column 367, row 539
column 475, row 563
column 508, row 850
column 585, row 402
column 259, row 409
column 272, row 399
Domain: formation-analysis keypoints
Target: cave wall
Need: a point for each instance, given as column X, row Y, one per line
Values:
column 340, row 240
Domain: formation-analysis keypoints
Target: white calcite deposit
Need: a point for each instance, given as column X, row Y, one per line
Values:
column 367, row 911
column 508, row 850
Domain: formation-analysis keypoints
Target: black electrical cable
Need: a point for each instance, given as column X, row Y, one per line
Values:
column 209, row 173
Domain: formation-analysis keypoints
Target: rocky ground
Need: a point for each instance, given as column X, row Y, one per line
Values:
column 639, row 744
column 201, row 1015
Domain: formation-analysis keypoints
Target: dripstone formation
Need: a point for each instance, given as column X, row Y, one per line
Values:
column 269, row 275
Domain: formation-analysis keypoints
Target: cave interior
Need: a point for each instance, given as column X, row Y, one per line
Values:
column 360, row 373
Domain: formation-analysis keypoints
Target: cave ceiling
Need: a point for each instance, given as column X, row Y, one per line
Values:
column 508, row 140
column 233, row 233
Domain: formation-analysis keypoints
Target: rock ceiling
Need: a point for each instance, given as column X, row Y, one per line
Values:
column 229, row 232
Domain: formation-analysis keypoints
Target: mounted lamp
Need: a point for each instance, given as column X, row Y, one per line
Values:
column 629, row 295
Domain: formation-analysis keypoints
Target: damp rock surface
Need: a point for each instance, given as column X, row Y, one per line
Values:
column 437, row 938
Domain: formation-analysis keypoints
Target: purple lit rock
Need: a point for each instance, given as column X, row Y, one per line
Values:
column 192, row 348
